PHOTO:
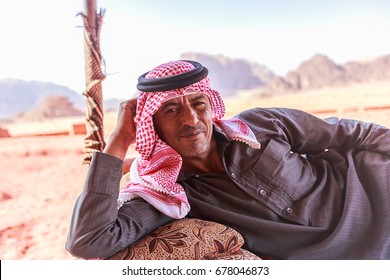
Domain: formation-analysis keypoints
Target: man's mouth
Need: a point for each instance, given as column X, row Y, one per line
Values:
column 191, row 135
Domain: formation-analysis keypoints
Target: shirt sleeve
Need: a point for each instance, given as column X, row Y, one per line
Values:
column 360, row 136
column 98, row 229
column 308, row 134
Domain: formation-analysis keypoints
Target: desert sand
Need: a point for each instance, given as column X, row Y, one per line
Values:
column 41, row 176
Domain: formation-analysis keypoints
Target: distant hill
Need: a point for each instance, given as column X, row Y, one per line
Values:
column 18, row 96
column 52, row 106
column 228, row 75
column 111, row 104
column 320, row 71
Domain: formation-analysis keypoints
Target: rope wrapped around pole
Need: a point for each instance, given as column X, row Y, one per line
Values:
column 94, row 140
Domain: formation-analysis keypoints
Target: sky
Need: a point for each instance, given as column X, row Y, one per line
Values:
column 42, row 40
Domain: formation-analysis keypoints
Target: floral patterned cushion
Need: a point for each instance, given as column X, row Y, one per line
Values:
column 188, row 239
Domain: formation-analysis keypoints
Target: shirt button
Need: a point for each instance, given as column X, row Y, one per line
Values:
column 263, row 192
column 234, row 176
column 289, row 210
column 197, row 176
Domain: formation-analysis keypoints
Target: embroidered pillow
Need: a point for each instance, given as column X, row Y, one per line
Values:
column 188, row 239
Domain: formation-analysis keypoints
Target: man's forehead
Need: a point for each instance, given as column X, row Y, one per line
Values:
column 190, row 94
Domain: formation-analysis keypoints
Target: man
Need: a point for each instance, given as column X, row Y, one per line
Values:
column 295, row 186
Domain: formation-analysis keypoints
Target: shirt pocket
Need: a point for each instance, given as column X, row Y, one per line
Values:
column 288, row 173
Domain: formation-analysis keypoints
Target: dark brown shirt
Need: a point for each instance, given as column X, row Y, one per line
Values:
column 317, row 189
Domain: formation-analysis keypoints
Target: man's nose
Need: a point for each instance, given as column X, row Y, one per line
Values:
column 189, row 117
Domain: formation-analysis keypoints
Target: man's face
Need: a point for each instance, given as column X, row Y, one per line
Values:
column 185, row 124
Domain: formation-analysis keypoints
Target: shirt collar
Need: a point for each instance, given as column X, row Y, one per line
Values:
column 222, row 140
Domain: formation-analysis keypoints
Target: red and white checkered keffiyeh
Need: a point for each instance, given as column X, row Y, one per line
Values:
column 155, row 171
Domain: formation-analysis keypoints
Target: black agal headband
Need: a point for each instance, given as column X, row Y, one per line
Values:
column 173, row 82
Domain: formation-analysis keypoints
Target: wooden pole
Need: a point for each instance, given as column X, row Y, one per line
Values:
column 94, row 140
column 90, row 10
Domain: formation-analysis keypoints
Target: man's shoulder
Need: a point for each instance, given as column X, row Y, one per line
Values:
column 271, row 118
column 270, row 112
column 256, row 118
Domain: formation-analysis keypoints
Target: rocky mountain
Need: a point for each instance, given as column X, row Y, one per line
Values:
column 52, row 106
column 229, row 75
column 320, row 71
column 18, row 96
column 377, row 69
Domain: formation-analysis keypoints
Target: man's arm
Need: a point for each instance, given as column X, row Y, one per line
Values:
column 98, row 229
column 360, row 136
column 308, row 134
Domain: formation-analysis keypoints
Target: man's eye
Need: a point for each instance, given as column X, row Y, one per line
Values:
column 198, row 104
column 171, row 110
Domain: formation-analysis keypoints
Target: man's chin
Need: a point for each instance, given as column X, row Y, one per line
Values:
column 192, row 151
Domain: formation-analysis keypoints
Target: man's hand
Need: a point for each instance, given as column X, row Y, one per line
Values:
column 124, row 133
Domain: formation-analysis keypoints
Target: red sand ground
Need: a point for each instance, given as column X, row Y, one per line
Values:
column 41, row 178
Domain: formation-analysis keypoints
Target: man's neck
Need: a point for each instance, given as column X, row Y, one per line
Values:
column 205, row 163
